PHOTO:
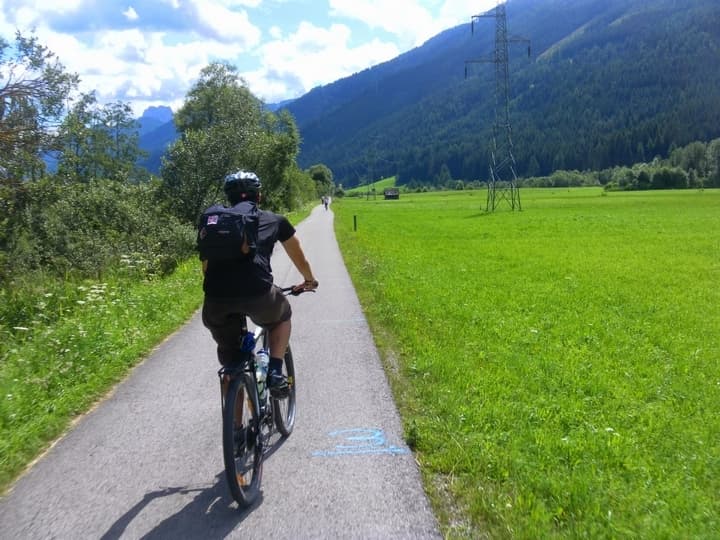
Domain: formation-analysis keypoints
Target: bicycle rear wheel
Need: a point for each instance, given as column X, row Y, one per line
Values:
column 242, row 444
column 284, row 408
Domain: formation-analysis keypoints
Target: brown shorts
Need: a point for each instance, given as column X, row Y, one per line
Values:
column 225, row 319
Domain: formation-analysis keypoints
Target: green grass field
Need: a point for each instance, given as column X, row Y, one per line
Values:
column 556, row 368
column 378, row 186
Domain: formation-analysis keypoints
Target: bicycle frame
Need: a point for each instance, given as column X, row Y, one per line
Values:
column 245, row 365
column 244, row 444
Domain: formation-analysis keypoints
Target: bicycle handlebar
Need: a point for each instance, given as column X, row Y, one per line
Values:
column 295, row 292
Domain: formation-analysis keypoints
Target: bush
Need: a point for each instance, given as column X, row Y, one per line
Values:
column 94, row 228
column 669, row 178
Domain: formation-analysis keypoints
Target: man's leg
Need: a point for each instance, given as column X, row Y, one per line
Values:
column 273, row 311
column 226, row 325
column 279, row 339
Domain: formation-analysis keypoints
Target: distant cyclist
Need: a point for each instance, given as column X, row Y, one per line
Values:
column 244, row 286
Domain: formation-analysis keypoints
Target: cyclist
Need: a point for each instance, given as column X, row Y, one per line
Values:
column 244, row 287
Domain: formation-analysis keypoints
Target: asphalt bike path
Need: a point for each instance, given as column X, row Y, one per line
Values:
column 147, row 461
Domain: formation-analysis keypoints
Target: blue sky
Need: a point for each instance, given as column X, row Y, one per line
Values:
column 149, row 52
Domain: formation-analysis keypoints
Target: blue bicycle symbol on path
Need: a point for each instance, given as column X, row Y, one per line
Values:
column 360, row 442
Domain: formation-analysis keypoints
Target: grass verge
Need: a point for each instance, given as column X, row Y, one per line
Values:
column 82, row 339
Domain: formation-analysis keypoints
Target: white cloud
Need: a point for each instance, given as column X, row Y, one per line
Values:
column 245, row 3
column 459, row 11
column 136, row 66
column 150, row 52
column 226, row 25
column 410, row 20
column 310, row 57
column 130, row 14
column 406, row 19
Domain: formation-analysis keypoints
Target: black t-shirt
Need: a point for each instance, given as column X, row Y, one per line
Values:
column 225, row 280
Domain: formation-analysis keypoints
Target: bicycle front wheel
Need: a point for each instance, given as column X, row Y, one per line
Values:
column 284, row 408
column 242, row 444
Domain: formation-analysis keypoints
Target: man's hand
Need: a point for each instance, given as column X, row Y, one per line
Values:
column 307, row 285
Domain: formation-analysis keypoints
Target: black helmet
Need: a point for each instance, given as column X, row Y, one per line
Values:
column 242, row 182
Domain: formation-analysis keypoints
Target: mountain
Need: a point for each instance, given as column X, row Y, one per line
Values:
column 154, row 117
column 157, row 131
column 610, row 82
column 277, row 106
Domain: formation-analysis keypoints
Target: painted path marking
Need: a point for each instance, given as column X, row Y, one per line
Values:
column 360, row 441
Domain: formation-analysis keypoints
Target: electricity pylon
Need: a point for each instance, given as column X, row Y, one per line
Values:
column 503, row 179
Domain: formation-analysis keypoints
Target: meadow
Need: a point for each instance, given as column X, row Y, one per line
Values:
column 556, row 368
column 375, row 189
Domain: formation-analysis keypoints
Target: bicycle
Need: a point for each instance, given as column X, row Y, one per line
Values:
column 251, row 415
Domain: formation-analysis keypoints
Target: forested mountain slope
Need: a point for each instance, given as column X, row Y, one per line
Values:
column 609, row 82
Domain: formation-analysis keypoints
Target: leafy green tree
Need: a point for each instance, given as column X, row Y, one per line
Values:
column 323, row 177
column 74, row 140
column 643, row 180
column 692, row 156
column 223, row 127
column 187, row 174
column 669, row 178
column 123, row 150
column 90, row 228
column 300, row 187
column 444, row 178
column 32, row 102
column 220, row 130
column 275, row 157
column 98, row 142
column 713, row 163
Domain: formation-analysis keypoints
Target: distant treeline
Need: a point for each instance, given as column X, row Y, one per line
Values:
column 694, row 166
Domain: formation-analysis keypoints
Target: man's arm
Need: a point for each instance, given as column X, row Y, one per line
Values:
column 297, row 256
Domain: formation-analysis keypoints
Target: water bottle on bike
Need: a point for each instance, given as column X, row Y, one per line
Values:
column 262, row 361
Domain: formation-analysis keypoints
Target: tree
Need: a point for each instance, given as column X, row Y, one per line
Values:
column 275, row 157
column 98, row 142
column 713, row 163
column 123, row 152
column 692, row 156
column 223, row 127
column 219, row 126
column 669, row 178
column 643, row 180
column 533, row 168
column 34, row 87
column 186, row 183
column 444, row 178
column 74, row 140
column 323, row 177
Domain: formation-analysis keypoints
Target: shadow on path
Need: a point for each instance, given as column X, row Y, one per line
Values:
column 211, row 514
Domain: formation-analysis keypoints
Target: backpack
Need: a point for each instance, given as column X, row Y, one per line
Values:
column 228, row 233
